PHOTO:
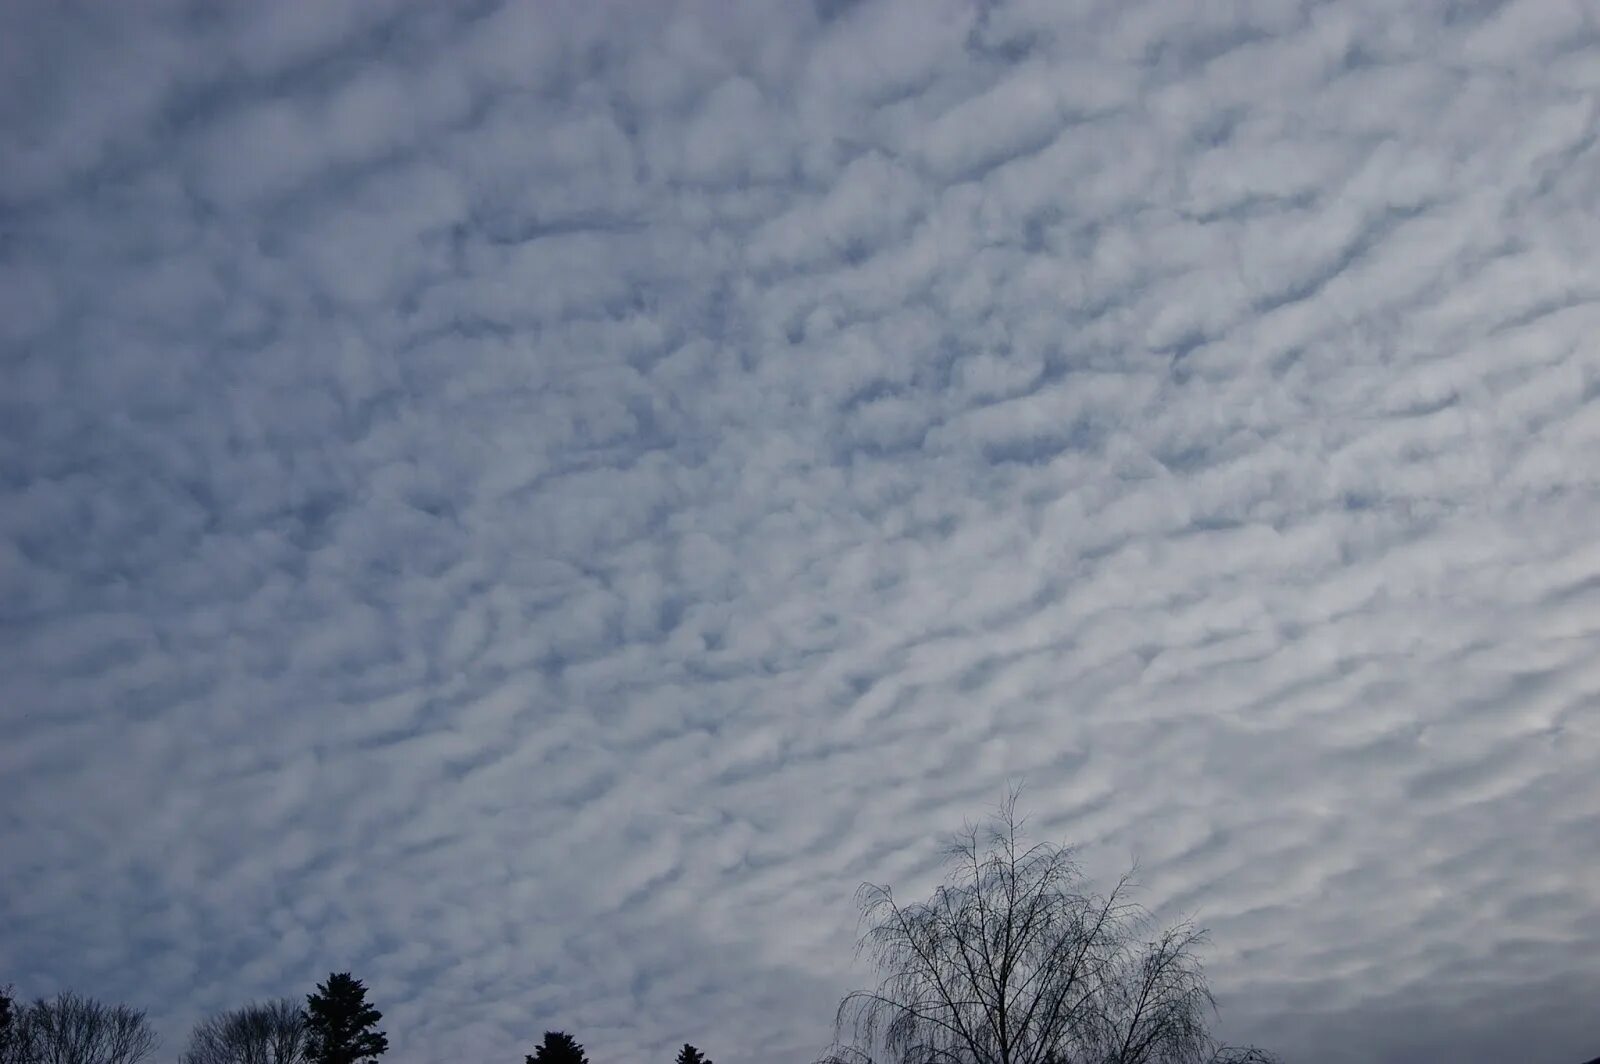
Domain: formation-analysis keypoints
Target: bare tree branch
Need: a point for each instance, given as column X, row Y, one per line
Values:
column 272, row 1032
column 72, row 1029
column 1014, row 960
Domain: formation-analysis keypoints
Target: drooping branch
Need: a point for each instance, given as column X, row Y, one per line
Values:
column 1015, row 960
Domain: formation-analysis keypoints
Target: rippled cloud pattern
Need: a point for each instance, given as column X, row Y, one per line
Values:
column 533, row 503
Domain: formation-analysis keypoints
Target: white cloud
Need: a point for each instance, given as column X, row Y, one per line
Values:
column 535, row 504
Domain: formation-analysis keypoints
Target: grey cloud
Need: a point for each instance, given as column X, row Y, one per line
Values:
column 534, row 503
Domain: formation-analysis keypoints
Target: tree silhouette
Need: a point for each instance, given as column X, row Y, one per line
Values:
column 16, row 1037
column 8, row 1024
column 690, row 1055
column 273, row 1032
column 1014, row 960
column 340, row 1024
column 558, row 1047
column 72, row 1029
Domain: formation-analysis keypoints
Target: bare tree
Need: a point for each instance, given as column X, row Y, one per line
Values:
column 72, row 1029
column 272, row 1032
column 1015, row 961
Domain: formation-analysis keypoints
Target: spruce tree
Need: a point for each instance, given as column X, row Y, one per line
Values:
column 558, row 1047
column 690, row 1055
column 7, row 1018
column 341, row 1025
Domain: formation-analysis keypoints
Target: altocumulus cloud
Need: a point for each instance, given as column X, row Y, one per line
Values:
column 533, row 503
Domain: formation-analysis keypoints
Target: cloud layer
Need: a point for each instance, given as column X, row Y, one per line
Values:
column 534, row 503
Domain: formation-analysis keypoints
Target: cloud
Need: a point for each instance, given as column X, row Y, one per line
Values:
column 535, row 503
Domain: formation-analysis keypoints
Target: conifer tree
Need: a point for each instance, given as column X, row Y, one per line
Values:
column 341, row 1025
column 690, row 1055
column 558, row 1047
column 7, row 1018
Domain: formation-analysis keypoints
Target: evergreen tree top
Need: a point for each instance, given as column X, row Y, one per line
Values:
column 340, row 1023
column 558, row 1047
column 690, row 1055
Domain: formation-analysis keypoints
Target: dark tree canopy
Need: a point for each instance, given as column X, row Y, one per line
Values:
column 558, row 1047
column 341, row 1025
column 690, row 1055
column 15, row 1043
column 1014, row 960
column 272, row 1032
column 72, row 1029
column 7, row 1024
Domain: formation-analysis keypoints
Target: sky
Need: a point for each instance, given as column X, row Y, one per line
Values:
column 533, row 504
